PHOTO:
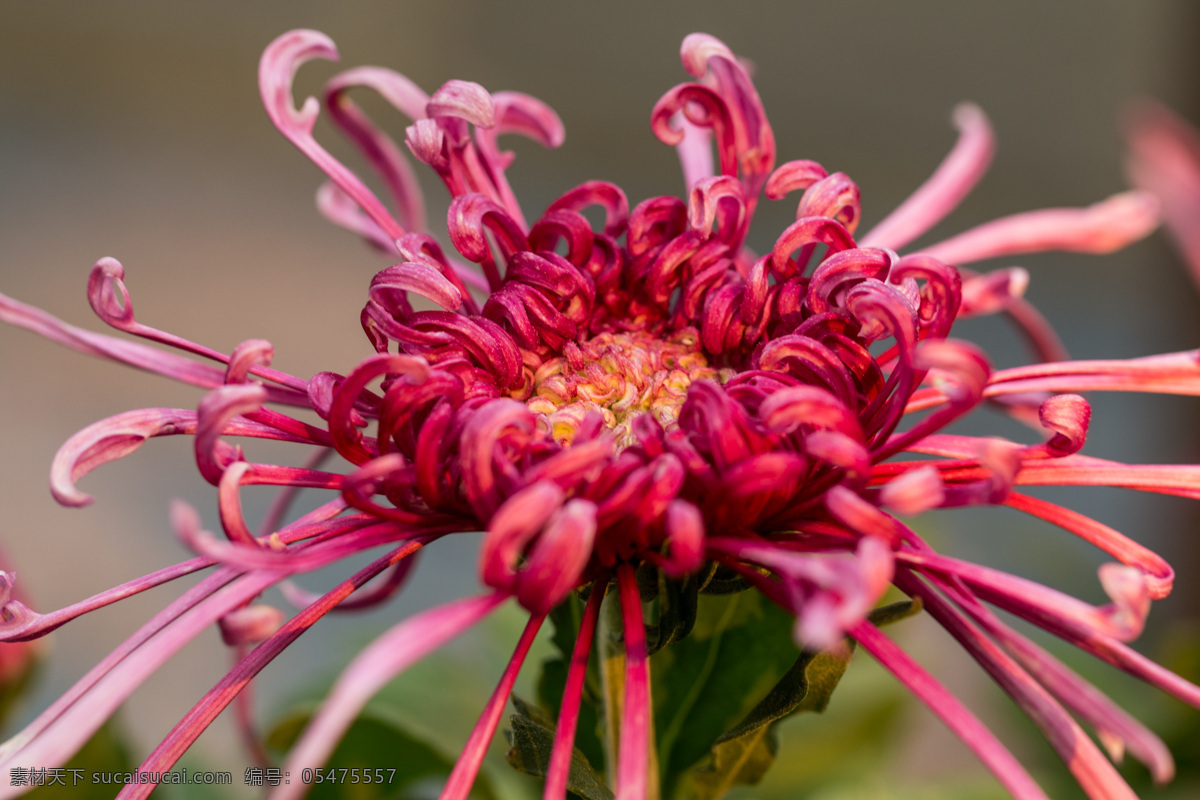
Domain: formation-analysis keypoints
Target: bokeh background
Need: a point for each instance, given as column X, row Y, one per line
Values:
column 134, row 129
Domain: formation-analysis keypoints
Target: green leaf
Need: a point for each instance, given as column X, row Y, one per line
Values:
column 677, row 605
column 105, row 752
column 745, row 753
column 373, row 742
column 740, row 647
column 532, row 740
column 886, row 615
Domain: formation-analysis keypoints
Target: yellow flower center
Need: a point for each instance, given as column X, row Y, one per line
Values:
column 619, row 376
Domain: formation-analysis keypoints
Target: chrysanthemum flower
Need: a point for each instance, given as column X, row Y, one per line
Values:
column 643, row 391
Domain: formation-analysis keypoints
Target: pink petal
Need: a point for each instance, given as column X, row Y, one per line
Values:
column 961, row 721
column 1101, row 228
column 945, row 189
column 381, row 661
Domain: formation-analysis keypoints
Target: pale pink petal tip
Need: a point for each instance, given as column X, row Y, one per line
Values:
column 1165, row 159
column 914, row 492
column 465, row 100
column 277, row 68
column 951, row 182
column 249, row 625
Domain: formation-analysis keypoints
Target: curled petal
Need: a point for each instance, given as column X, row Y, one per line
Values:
column 250, row 624
column 342, row 419
column 212, row 416
column 415, row 277
column 511, row 528
column 497, row 420
column 753, row 138
column 230, row 504
column 376, row 146
column 276, row 71
column 1067, row 415
column 464, row 100
column 945, row 189
column 836, row 197
column 425, row 138
column 809, row 406
column 247, row 355
column 793, row 176
column 108, row 295
column 606, row 195
column 958, row 369
column 993, row 291
column 883, row 310
column 109, row 440
column 558, row 557
column 802, row 232
column 720, row 200
column 1101, row 228
column 568, row 226
column 840, row 269
column 469, row 217
column 520, row 113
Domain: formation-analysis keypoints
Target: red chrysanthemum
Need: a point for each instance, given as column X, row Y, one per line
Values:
column 643, row 391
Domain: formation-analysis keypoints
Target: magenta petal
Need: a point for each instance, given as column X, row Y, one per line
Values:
column 376, row 146
column 945, row 189
column 558, row 557
column 793, row 176
column 633, row 754
column 462, row 778
column 512, row 527
column 235, row 682
column 55, row 736
column 559, row 767
column 276, row 71
column 1089, row 766
column 966, row 725
column 385, row 658
column 131, row 353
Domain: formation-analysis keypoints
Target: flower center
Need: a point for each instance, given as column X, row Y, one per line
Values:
column 620, row 375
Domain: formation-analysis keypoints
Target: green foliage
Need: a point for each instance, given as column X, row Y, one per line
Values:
column 532, row 740
column 741, row 646
column 725, row 673
column 744, row 754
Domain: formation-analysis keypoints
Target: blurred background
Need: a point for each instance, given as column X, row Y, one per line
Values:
column 134, row 129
